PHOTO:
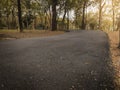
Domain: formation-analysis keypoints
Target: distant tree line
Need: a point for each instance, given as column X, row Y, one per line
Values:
column 56, row 14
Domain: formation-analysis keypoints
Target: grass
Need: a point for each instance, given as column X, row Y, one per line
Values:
column 115, row 55
column 15, row 34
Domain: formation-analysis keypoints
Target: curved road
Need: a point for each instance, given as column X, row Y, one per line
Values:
column 72, row 61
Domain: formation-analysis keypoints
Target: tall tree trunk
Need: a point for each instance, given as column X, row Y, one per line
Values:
column 45, row 20
column 0, row 20
column 83, row 16
column 100, row 12
column 113, row 8
column 119, row 39
column 118, row 28
column 63, row 19
column 68, row 20
column 20, row 15
column 54, row 15
column 86, row 19
column 33, row 24
column 65, row 12
column 76, row 20
column 50, row 17
column 13, row 18
column 8, row 26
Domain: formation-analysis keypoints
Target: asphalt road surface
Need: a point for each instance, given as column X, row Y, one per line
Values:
column 72, row 61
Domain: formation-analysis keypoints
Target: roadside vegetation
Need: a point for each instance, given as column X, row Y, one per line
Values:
column 14, row 34
column 115, row 55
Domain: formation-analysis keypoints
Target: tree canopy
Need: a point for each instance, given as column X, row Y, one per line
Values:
column 59, row 14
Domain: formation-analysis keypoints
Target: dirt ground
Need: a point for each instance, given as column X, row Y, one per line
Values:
column 115, row 55
column 14, row 34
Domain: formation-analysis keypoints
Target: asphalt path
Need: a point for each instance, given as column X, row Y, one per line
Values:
column 73, row 61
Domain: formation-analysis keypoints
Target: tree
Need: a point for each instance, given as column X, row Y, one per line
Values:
column 92, row 21
column 83, row 15
column 113, row 9
column 68, row 5
column 81, row 12
column 115, row 12
column 78, row 13
column 54, row 15
column 101, row 6
column 118, row 28
column 20, row 15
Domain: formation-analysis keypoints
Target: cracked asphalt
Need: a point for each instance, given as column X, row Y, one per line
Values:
column 73, row 61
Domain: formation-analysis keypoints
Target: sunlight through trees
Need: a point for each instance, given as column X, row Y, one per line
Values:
column 56, row 14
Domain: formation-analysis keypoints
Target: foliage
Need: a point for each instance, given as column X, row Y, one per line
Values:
column 36, row 13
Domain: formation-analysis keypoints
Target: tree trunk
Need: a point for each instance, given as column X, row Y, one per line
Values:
column 20, row 15
column 118, row 28
column 100, row 20
column 54, row 15
column 50, row 17
column 86, row 19
column 100, row 13
column 45, row 20
column 83, row 16
column 8, row 26
column 119, row 40
column 13, row 19
column 0, row 20
column 113, row 8
column 63, row 19
column 67, row 19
